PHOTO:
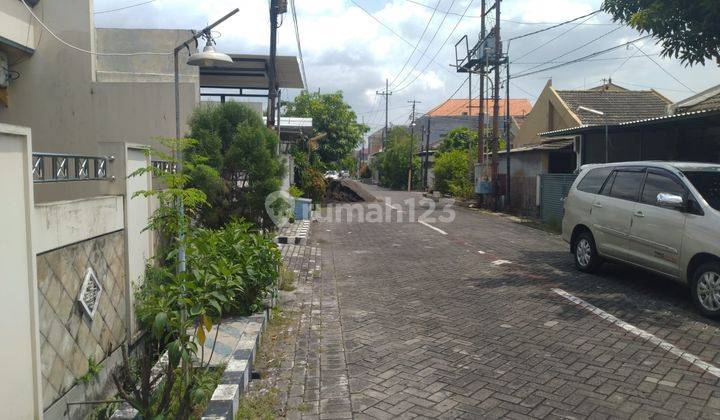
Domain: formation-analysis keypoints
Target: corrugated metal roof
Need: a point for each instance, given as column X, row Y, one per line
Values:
column 645, row 121
column 250, row 71
column 552, row 145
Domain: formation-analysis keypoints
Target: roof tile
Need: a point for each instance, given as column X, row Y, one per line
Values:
column 619, row 106
column 455, row 107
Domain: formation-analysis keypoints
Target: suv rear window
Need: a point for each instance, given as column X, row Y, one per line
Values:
column 627, row 185
column 594, row 180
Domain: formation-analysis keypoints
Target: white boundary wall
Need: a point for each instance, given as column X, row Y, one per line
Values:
column 20, row 388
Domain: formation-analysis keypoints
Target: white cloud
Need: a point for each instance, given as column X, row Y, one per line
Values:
column 347, row 50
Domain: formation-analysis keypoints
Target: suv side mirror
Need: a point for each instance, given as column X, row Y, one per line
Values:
column 670, row 200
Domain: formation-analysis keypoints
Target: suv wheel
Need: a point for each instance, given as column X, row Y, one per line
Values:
column 587, row 259
column 706, row 289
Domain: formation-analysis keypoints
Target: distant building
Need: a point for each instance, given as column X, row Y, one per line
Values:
column 455, row 113
column 558, row 109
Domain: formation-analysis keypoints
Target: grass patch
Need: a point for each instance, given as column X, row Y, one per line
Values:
column 287, row 280
column 551, row 226
column 262, row 402
column 261, row 406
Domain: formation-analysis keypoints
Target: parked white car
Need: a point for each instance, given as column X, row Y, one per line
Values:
column 660, row 216
column 332, row 175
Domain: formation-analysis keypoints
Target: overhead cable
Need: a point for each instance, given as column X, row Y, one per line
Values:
column 69, row 45
column 124, row 8
column 595, row 54
column 418, row 43
column 297, row 38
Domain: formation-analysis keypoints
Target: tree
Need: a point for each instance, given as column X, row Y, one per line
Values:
column 459, row 138
column 334, row 117
column 451, row 173
column 233, row 141
column 688, row 30
column 393, row 161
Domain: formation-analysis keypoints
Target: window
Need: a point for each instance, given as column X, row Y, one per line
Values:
column 708, row 184
column 627, row 185
column 594, row 180
column 656, row 184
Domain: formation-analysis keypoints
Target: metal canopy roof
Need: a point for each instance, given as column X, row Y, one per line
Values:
column 639, row 123
column 250, row 72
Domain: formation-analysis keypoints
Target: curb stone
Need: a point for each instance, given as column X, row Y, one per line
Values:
column 234, row 381
column 296, row 233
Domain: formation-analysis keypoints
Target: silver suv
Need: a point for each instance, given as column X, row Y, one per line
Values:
column 660, row 216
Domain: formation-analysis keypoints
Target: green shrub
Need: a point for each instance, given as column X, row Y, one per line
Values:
column 295, row 191
column 233, row 145
column 236, row 263
column 452, row 174
column 313, row 182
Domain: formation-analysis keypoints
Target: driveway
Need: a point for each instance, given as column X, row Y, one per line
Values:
column 485, row 317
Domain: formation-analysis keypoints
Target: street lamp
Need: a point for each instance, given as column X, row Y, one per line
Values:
column 607, row 137
column 208, row 57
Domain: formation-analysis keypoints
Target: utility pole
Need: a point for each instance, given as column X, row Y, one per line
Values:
column 277, row 7
column 496, row 108
column 386, row 94
column 508, row 146
column 484, row 58
column 481, row 110
column 427, row 156
column 412, row 144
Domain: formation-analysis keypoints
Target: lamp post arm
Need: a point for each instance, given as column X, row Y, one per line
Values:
column 206, row 30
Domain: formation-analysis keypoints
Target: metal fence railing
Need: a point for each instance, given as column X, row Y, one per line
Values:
column 57, row 167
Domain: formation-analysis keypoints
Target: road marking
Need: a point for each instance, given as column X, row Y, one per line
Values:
column 501, row 262
column 432, row 227
column 399, row 210
column 670, row 348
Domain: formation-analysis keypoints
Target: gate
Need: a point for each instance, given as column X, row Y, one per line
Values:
column 553, row 189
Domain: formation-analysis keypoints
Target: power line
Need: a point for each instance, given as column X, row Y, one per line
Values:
column 297, row 38
column 595, row 54
column 67, row 44
column 519, row 22
column 553, row 39
column 555, row 26
column 124, row 8
column 387, row 27
column 594, row 59
column 652, row 87
column 438, row 51
column 663, row 69
column 418, row 43
column 577, row 48
column 427, row 47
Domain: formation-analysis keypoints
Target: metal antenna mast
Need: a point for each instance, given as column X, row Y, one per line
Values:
column 485, row 57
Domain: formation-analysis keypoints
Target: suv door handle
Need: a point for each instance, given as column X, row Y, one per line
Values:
column 639, row 213
column 597, row 204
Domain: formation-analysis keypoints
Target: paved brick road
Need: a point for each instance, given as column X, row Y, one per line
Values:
column 413, row 322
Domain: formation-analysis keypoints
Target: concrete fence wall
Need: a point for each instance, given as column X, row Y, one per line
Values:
column 20, row 386
column 47, row 253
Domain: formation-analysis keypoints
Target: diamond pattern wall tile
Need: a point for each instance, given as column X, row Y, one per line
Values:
column 68, row 336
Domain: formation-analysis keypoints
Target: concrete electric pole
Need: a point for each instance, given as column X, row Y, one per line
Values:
column 412, row 143
column 386, row 94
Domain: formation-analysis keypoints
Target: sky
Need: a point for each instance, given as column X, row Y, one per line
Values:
column 345, row 49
